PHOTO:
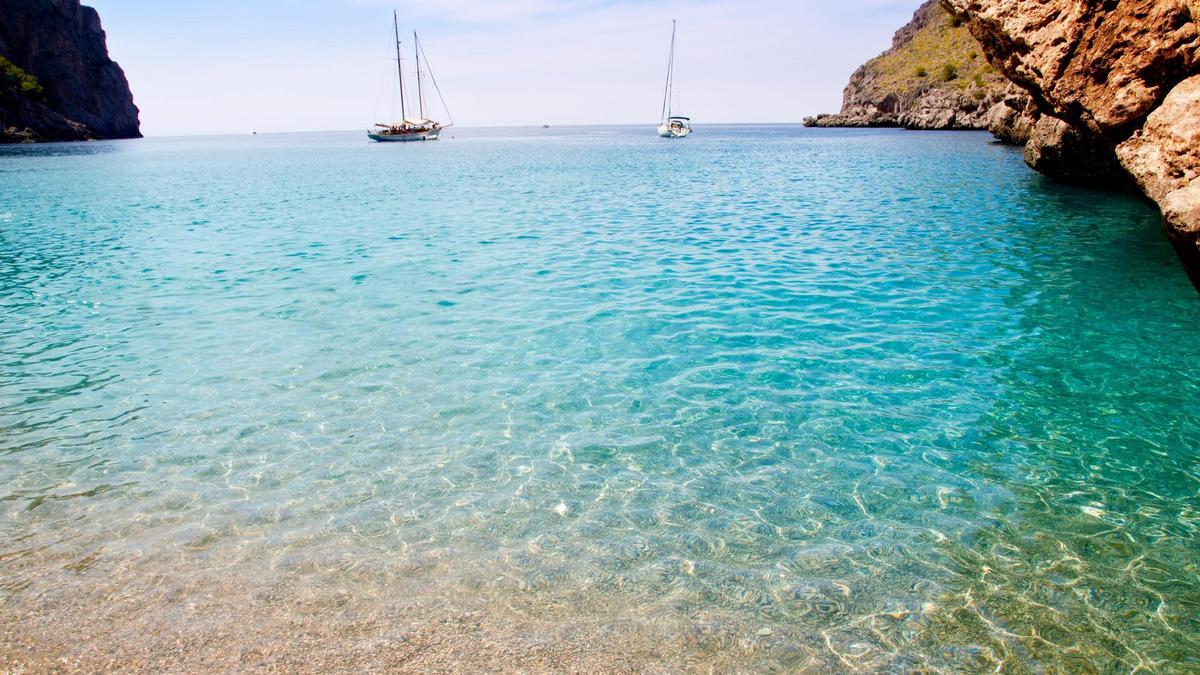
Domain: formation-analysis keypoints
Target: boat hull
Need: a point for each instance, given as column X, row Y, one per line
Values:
column 404, row 138
column 669, row 132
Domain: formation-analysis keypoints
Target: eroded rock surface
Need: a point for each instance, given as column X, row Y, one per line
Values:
column 1164, row 158
column 1012, row 119
column 1070, row 154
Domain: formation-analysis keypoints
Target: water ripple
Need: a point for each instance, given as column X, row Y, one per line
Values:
column 802, row 399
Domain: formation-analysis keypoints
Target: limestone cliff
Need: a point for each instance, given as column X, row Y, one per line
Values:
column 1115, row 86
column 934, row 76
column 56, row 79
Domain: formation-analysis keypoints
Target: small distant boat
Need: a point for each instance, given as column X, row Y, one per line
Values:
column 672, row 125
column 419, row 128
column 545, row 126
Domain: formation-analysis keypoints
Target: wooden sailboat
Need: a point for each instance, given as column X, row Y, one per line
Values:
column 419, row 128
column 672, row 125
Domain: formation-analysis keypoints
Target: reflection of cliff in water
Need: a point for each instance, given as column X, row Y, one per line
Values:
column 80, row 149
column 1094, row 433
column 52, row 263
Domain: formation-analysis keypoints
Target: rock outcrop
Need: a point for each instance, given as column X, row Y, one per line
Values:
column 934, row 76
column 57, row 82
column 1115, row 86
column 1012, row 120
column 1063, row 151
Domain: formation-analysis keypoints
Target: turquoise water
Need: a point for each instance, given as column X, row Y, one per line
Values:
column 776, row 397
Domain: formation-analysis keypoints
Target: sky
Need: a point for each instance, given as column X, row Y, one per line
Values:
column 230, row 66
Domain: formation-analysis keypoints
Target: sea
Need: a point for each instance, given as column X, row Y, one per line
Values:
column 763, row 399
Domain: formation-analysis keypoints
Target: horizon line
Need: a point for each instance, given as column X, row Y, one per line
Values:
column 458, row 126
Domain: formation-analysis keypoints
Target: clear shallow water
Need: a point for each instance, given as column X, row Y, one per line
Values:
column 782, row 397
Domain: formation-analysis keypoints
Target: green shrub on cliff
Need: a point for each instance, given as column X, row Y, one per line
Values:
column 26, row 83
column 912, row 65
column 949, row 72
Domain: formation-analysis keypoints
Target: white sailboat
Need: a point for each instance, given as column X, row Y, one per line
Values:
column 672, row 125
column 419, row 128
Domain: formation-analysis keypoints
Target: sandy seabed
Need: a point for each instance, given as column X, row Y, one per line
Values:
column 229, row 627
column 215, row 622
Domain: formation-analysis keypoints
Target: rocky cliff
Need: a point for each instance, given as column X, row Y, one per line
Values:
column 1115, row 90
column 934, row 76
column 56, row 79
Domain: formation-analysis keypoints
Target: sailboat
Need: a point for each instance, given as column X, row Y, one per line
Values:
column 419, row 128
column 672, row 125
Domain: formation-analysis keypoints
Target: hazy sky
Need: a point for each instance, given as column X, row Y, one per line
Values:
column 294, row 65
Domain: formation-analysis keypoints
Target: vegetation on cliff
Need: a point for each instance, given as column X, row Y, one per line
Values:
column 934, row 76
column 13, row 79
column 943, row 49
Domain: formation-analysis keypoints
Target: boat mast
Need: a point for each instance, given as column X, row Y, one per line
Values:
column 670, row 74
column 433, row 79
column 420, row 96
column 399, row 66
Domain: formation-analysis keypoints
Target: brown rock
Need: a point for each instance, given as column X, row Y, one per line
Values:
column 1101, row 66
column 1164, row 158
column 1063, row 151
column 1011, row 120
column 1164, row 155
column 1114, row 85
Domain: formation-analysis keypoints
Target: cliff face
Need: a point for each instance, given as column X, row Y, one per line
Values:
column 56, row 79
column 1115, row 86
column 934, row 76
